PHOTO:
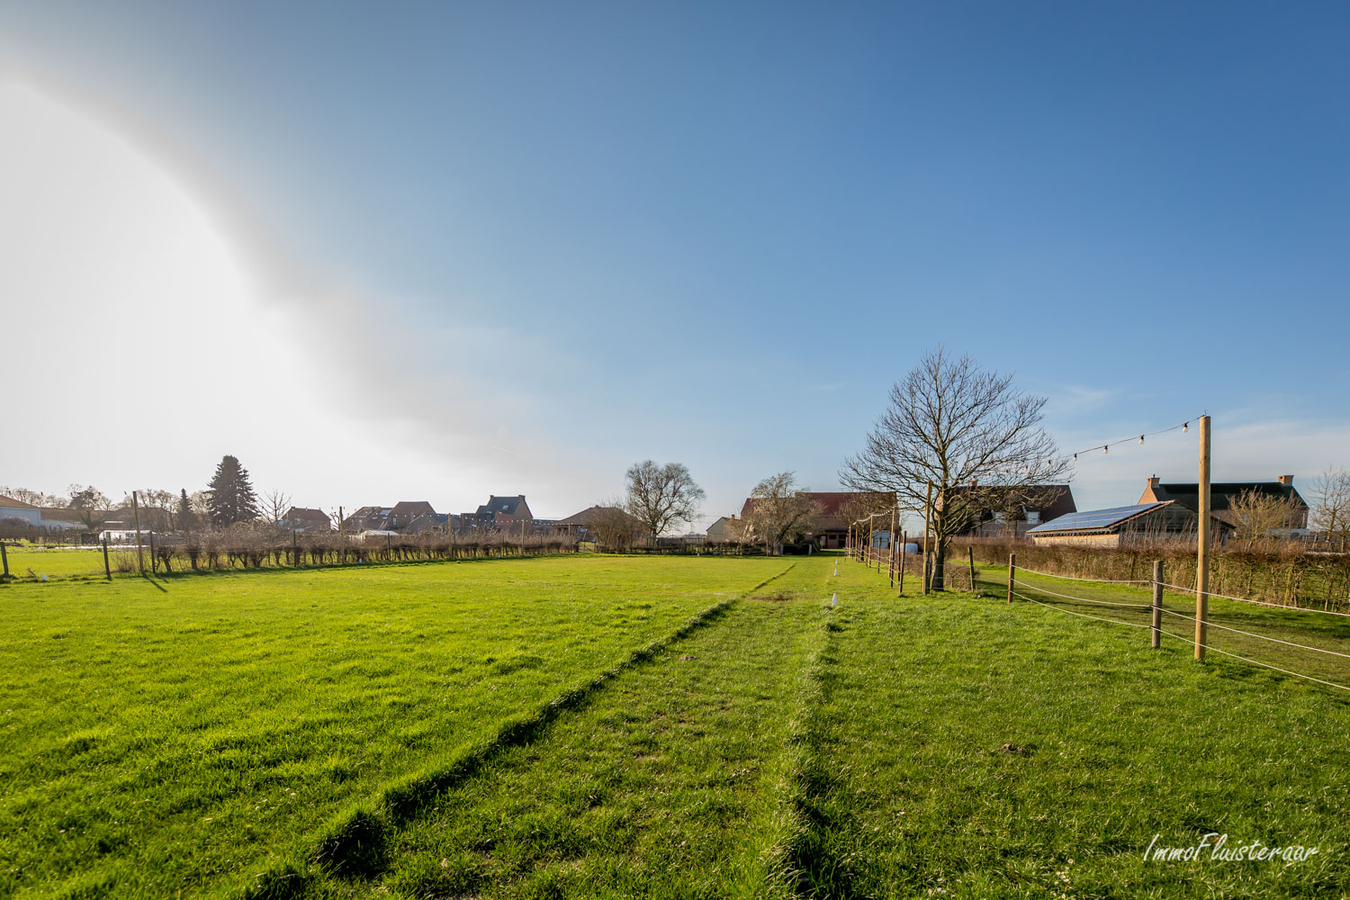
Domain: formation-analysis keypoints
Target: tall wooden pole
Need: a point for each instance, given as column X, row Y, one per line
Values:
column 927, row 516
column 107, row 566
column 1202, row 548
column 4, row 558
column 1012, row 574
column 136, row 514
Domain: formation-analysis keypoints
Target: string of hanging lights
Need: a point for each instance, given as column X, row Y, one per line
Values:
column 1106, row 448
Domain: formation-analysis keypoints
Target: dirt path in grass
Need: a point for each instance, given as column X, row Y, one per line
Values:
column 678, row 781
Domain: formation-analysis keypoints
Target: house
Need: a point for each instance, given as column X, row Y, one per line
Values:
column 499, row 512
column 584, row 523
column 303, row 520
column 727, row 528
column 387, row 518
column 830, row 530
column 1222, row 494
column 432, row 522
column 997, row 511
column 1123, row 526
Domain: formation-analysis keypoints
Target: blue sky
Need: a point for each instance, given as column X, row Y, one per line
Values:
column 517, row 247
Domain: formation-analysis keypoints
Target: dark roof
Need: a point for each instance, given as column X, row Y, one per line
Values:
column 411, row 508
column 586, row 518
column 1099, row 520
column 66, row 514
column 503, row 505
column 304, row 514
column 1221, row 494
column 16, row 504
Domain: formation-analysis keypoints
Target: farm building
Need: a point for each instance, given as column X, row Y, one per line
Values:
column 387, row 518
column 1123, row 526
column 1222, row 494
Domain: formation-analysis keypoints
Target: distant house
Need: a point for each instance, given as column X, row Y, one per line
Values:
column 303, row 520
column 387, row 518
column 830, row 531
column 1122, row 526
column 432, row 522
column 499, row 512
column 1222, row 494
column 583, row 524
column 727, row 528
column 1003, row 512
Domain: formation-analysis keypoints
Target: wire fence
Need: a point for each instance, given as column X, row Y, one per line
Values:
column 1308, row 644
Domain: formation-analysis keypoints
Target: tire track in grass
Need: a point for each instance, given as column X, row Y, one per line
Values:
column 356, row 844
column 672, row 786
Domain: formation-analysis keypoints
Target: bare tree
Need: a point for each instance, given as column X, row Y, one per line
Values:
column 951, row 425
column 779, row 512
column 23, row 495
column 276, row 503
column 661, row 497
column 1259, row 515
column 1331, row 504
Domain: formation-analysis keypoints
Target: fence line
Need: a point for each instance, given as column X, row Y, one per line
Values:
column 1158, row 631
column 1040, row 590
column 1075, row 578
column 1081, row 615
column 1325, row 612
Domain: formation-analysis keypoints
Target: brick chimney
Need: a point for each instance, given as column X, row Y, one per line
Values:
column 1152, row 482
column 1286, row 480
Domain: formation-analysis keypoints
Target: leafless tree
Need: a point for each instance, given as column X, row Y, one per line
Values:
column 23, row 495
column 779, row 512
column 158, row 508
column 952, row 425
column 1331, row 504
column 1259, row 515
column 276, row 503
column 661, row 497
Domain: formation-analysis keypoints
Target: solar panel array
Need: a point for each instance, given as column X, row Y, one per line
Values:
column 1094, row 518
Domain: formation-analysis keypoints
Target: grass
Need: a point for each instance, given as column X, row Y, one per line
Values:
column 62, row 562
column 191, row 732
column 653, row 727
column 971, row 748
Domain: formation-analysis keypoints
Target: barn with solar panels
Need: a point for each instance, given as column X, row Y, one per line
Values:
column 1121, row 526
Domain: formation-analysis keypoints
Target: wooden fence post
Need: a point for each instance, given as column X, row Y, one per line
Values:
column 927, row 514
column 904, row 544
column 1157, row 603
column 890, row 569
column 1202, row 547
column 136, row 514
column 4, row 558
column 971, row 551
column 1012, row 574
column 107, row 567
column 154, row 566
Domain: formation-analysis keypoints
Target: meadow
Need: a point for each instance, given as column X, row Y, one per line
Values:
column 662, row 727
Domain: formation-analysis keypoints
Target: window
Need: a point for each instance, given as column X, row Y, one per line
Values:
column 1033, row 517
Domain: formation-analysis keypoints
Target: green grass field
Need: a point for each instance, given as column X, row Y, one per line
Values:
column 657, row 727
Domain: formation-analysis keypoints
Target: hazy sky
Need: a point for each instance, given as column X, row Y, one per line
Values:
column 436, row 251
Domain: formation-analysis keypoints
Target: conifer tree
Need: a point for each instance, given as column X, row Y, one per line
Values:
column 231, row 497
